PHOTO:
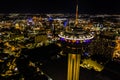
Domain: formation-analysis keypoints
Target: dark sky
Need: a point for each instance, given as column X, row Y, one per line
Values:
column 63, row 6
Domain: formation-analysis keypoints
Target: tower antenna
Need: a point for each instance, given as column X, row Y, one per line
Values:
column 76, row 20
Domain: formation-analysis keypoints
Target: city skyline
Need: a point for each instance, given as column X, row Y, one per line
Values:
column 60, row 6
column 34, row 48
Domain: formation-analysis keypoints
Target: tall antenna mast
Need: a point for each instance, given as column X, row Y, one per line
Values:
column 76, row 21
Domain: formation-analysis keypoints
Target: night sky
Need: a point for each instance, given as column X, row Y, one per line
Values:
column 62, row 6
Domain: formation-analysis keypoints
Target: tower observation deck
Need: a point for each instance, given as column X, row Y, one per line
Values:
column 73, row 37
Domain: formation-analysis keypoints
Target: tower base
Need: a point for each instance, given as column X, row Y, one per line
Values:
column 73, row 66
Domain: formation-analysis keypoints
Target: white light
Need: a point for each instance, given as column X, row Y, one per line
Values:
column 42, row 73
column 80, row 38
column 50, row 79
column 16, row 69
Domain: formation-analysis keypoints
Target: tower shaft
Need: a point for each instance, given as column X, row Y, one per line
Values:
column 73, row 66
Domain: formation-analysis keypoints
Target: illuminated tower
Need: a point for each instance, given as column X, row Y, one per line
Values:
column 73, row 39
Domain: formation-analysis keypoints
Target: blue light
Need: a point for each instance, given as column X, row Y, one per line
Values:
column 62, row 39
column 113, row 44
column 30, row 20
column 86, row 54
column 50, row 19
column 101, row 26
column 65, row 23
column 77, row 41
column 87, row 41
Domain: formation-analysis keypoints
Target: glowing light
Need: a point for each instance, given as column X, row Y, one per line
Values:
column 73, row 41
column 16, row 69
column 62, row 39
column 116, row 54
column 87, row 41
column 72, row 38
column 5, row 58
column 65, row 23
column 50, row 79
column 77, row 41
column 86, row 54
column 30, row 20
column 50, row 19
